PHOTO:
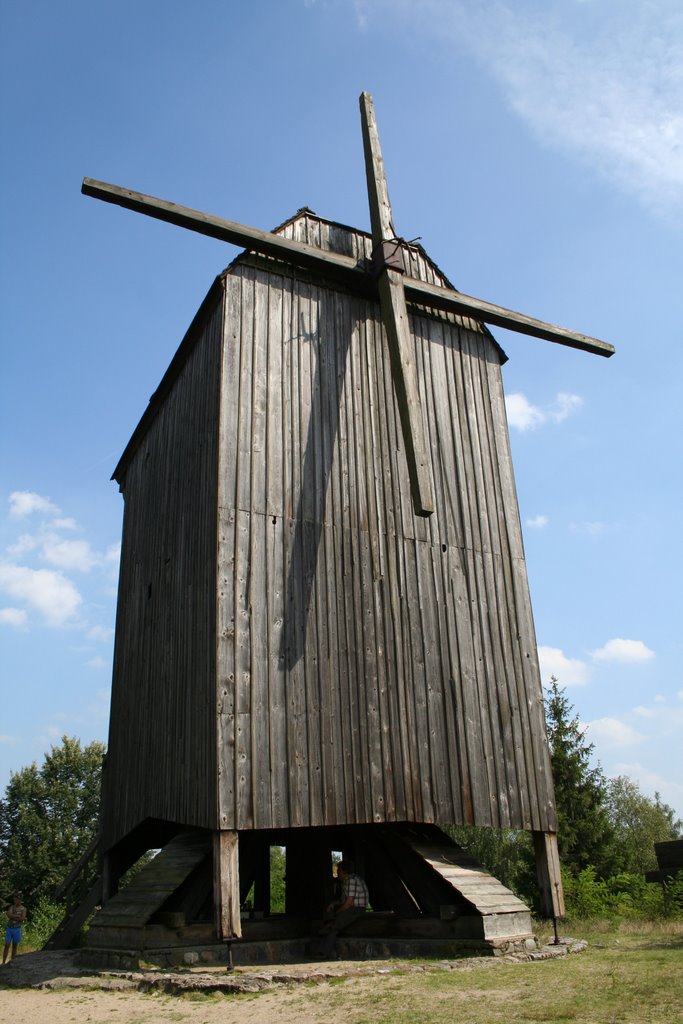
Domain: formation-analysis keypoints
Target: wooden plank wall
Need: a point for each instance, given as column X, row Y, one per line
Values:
column 162, row 752
column 372, row 666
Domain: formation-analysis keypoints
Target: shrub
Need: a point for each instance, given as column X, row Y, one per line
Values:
column 42, row 921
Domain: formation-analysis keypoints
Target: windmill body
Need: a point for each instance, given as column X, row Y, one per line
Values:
column 324, row 634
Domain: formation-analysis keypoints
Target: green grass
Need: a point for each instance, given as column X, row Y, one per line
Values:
column 629, row 973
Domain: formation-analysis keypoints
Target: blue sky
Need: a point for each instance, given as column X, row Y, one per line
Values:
column 536, row 149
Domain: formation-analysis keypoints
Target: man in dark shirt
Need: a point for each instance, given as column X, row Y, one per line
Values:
column 351, row 904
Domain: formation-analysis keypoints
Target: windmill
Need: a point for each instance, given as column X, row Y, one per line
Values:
column 324, row 633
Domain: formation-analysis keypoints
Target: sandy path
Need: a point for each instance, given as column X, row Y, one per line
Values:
column 284, row 1006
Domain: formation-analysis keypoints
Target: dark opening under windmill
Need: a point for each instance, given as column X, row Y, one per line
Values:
column 324, row 636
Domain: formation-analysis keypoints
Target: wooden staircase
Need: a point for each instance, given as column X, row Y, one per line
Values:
column 499, row 911
column 181, row 870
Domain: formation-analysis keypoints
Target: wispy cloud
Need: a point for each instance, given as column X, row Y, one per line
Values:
column 97, row 663
column 591, row 528
column 15, row 617
column 612, row 732
column 624, row 651
column 523, row 415
column 101, row 633
column 537, row 522
column 600, row 82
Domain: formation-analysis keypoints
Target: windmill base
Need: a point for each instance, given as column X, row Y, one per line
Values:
column 176, row 950
column 429, row 899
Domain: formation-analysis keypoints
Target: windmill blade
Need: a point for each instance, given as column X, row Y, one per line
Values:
column 392, row 299
column 337, row 267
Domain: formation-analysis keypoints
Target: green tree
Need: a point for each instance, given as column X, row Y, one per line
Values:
column 48, row 818
column 639, row 822
column 278, row 865
column 585, row 833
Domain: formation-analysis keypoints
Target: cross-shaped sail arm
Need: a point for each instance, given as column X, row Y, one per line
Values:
column 336, row 266
column 395, row 316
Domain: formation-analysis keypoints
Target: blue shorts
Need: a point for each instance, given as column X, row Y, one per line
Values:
column 12, row 934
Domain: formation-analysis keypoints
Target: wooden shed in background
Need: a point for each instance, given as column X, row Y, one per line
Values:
column 299, row 658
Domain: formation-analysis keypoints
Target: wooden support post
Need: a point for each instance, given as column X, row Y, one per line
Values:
column 226, row 885
column 548, row 874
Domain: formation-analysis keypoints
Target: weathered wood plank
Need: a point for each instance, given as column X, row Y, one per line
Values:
column 226, row 891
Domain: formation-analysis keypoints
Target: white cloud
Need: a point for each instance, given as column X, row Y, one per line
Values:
column 567, row 671
column 16, row 617
column 537, row 522
column 69, row 554
column 660, row 698
column 644, row 712
column 612, row 732
column 50, row 593
column 624, row 651
column 522, row 415
column 24, row 503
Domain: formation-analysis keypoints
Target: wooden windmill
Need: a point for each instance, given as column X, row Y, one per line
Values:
column 324, row 634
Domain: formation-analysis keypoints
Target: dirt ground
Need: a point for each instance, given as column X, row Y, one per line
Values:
column 50, row 988
column 65, row 1006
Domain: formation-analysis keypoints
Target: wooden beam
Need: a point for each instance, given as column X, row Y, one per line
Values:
column 479, row 309
column 395, row 316
column 338, row 267
column 226, row 885
column 548, row 874
column 266, row 242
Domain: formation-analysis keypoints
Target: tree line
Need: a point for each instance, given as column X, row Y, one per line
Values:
column 606, row 827
column 606, row 833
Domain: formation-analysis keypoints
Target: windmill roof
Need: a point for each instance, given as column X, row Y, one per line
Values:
column 304, row 226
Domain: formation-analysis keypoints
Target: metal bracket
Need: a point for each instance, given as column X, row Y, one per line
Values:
column 387, row 255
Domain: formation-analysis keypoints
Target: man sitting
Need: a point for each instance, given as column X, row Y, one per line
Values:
column 351, row 904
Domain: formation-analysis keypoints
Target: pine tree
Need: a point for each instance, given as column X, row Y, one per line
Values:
column 585, row 833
